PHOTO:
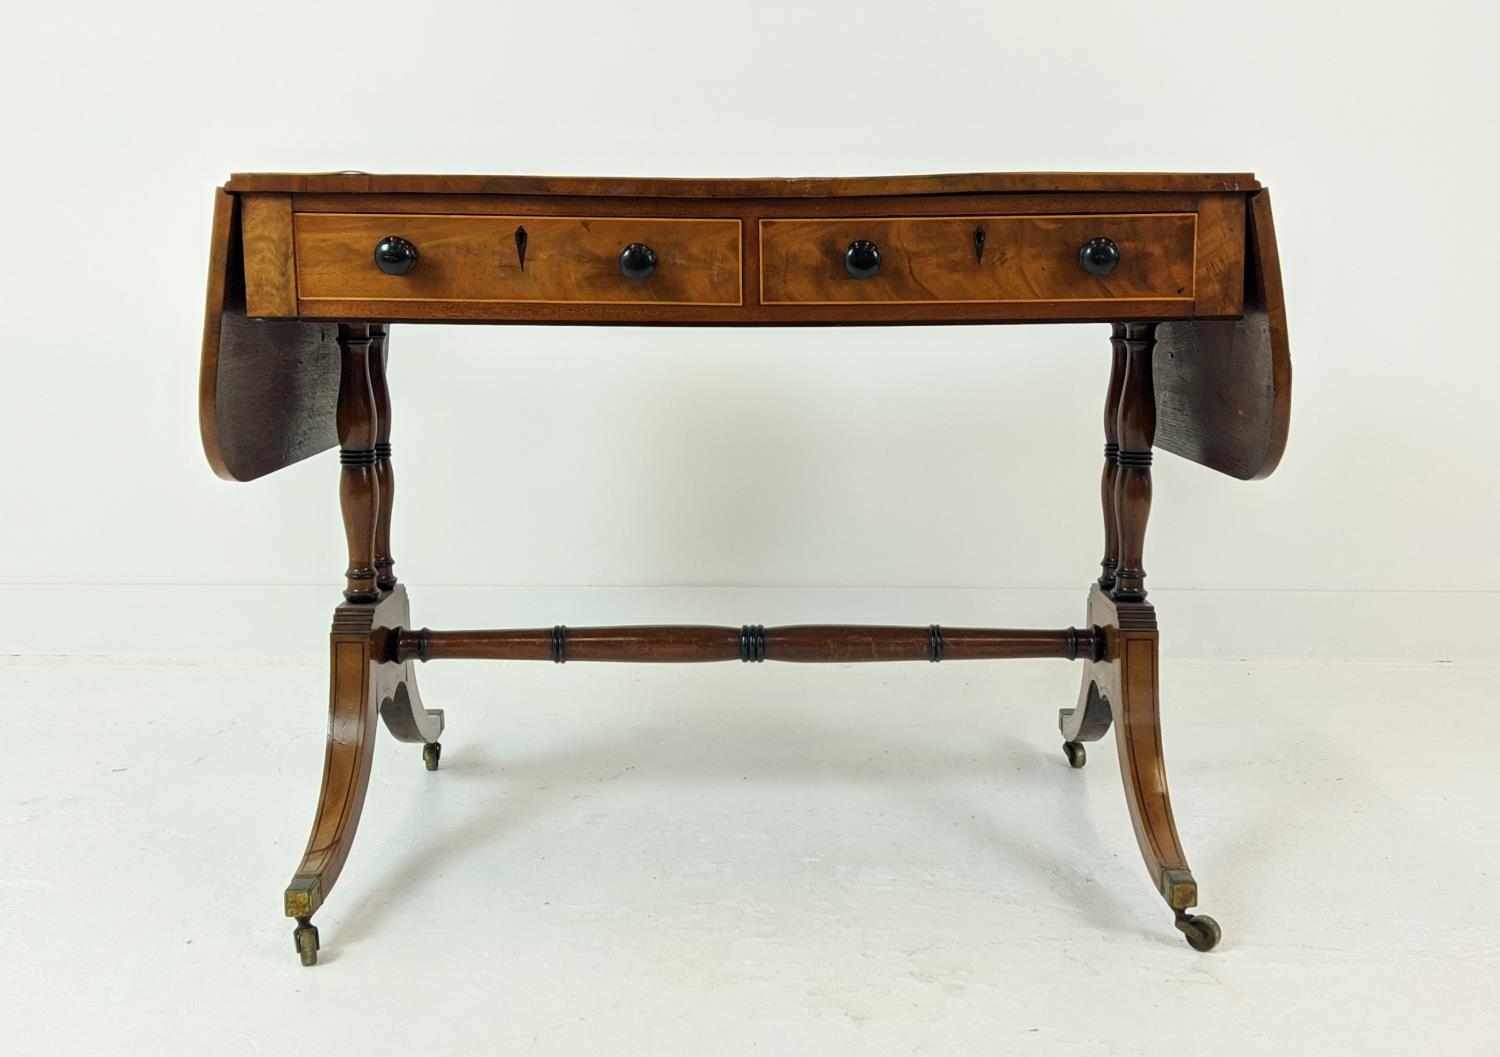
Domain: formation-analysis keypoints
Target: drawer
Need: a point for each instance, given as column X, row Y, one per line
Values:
column 977, row 259
column 518, row 259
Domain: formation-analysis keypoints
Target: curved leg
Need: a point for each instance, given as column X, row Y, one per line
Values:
column 1121, row 684
column 363, row 680
column 1126, row 684
column 402, row 711
column 1087, row 721
column 363, row 683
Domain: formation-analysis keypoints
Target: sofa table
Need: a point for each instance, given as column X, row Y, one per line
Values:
column 307, row 274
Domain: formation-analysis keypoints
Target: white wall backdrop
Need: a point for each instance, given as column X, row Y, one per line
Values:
column 942, row 457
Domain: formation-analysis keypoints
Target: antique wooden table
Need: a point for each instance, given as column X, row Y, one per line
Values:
column 307, row 272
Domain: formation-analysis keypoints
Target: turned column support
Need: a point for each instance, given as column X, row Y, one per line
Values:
column 385, row 477
column 1111, row 472
column 359, row 485
column 1135, row 426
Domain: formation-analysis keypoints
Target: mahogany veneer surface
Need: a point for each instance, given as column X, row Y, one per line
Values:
column 293, row 254
column 1023, row 258
column 763, row 187
column 567, row 260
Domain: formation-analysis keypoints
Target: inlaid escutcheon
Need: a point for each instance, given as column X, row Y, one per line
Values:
column 469, row 258
column 977, row 259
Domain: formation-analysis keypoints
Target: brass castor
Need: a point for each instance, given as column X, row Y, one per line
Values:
column 1202, row 931
column 306, row 939
column 1075, row 753
column 432, row 752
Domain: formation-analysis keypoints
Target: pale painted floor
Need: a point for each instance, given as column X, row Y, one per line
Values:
column 719, row 860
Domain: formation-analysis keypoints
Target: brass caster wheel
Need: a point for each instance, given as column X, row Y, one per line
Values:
column 1202, row 931
column 432, row 752
column 306, row 939
column 1075, row 753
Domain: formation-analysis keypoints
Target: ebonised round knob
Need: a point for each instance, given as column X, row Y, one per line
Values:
column 637, row 262
column 395, row 256
column 862, row 258
column 1099, row 256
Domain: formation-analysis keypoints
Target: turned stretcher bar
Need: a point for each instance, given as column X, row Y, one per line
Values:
column 802, row 643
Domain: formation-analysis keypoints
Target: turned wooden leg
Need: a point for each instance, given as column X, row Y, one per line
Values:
column 385, row 564
column 359, row 487
column 1121, row 683
column 1136, row 426
column 354, row 695
column 365, row 680
column 1111, row 472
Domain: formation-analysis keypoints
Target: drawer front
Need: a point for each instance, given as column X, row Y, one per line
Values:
column 977, row 259
column 541, row 259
